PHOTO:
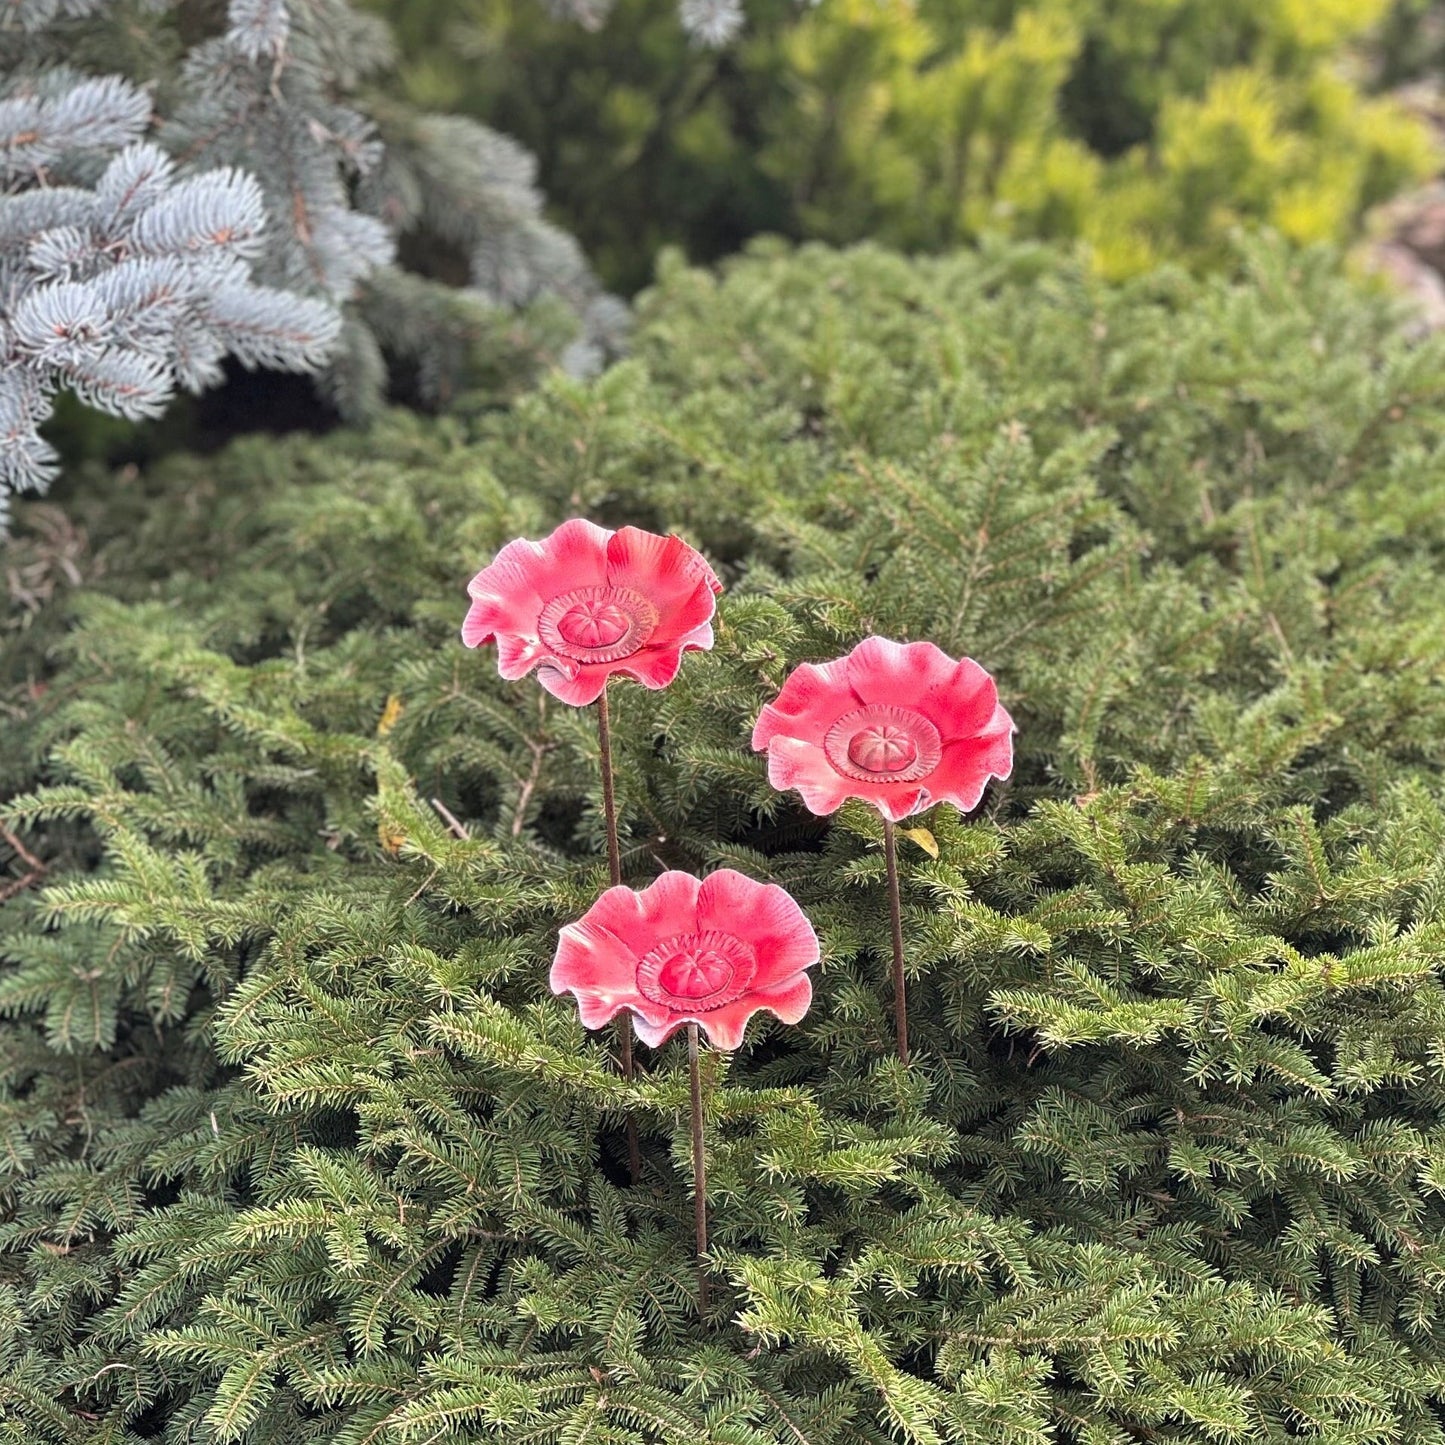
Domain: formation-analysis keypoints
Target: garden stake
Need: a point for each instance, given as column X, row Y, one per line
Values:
column 895, row 909
column 699, row 1169
column 579, row 606
column 614, row 864
column 695, row 953
column 897, row 725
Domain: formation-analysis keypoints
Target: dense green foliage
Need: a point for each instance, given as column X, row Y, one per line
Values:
column 297, row 1146
column 1148, row 128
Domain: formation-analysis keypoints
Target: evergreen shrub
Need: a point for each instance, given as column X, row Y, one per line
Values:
column 297, row 1145
column 1147, row 128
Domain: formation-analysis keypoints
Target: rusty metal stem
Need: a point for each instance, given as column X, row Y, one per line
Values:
column 614, row 865
column 609, row 796
column 699, row 1168
column 895, row 910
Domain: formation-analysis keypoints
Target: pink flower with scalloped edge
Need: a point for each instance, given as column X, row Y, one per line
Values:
column 900, row 725
column 713, row 952
column 586, row 603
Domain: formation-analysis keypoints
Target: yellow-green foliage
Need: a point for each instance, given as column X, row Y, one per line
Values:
column 1148, row 128
column 926, row 124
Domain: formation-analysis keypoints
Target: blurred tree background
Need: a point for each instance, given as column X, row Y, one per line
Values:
column 1147, row 128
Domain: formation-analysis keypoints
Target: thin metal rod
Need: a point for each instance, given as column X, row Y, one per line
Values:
column 609, row 797
column 895, row 909
column 614, row 865
column 699, row 1168
column 629, row 1070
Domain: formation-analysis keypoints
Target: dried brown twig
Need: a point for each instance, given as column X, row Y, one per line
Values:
column 29, row 880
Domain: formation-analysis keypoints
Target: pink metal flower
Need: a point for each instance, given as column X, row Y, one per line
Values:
column 585, row 603
column 711, row 952
column 900, row 725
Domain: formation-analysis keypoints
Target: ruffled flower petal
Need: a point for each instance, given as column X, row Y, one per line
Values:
column 698, row 640
column 793, row 763
column 576, row 555
column 670, row 574
column 598, row 968
column 969, row 763
column 654, row 667
column 509, row 593
column 682, row 618
column 788, row 999
column 654, row 1035
column 713, row 581
column 576, row 686
column 899, row 801
column 666, row 568
column 882, row 671
column 515, row 573
column 767, row 915
column 665, row 908
column 963, row 702
column 517, row 655
column 505, row 595
column 813, row 697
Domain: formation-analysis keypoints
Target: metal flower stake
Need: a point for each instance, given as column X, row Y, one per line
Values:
column 899, row 725
column 582, row 605
column 696, row 954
